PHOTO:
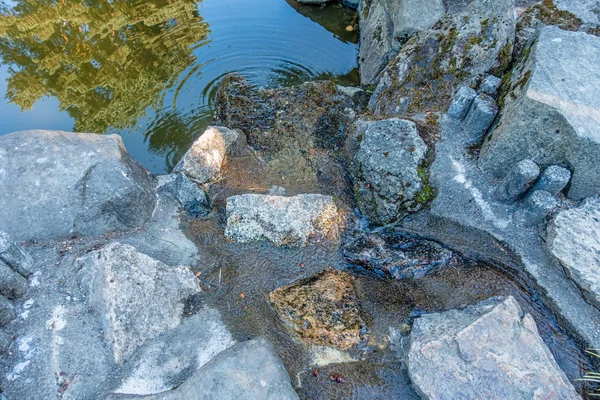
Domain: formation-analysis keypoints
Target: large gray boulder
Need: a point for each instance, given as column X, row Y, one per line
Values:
column 247, row 371
column 385, row 25
column 57, row 184
column 389, row 169
column 136, row 296
column 588, row 11
column 552, row 111
column 459, row 50
column 488, row 351
column 574, row 239
column 297, row 220
column 168, row 360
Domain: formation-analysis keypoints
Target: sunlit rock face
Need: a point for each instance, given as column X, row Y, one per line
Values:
column 54, row 185
column 297, row 220
column 322, row 309
column 552, row 111
column 491, row 350
column 574, row 239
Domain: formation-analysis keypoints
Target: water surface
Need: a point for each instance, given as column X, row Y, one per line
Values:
column 148, row 70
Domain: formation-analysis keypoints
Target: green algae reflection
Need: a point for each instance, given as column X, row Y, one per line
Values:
column 106, row 61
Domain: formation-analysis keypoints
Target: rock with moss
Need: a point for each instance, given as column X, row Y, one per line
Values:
column 323, row 309
column 297, row 131
column 551, row 111
column 390, row 173
column 387, row 24
column 488, row 351
column 461, row 49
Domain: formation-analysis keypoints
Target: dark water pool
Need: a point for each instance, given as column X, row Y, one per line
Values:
column 148, row 70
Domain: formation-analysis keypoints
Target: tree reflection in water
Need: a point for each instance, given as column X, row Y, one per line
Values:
column 106, row 61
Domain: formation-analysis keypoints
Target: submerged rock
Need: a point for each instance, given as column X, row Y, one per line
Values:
column 57, row 184
column 386, row 25
column 247, row 371
column 297, row 131
column 459, row 50
column 396, row 255
column 297, row 220
column 389, row 170
column 14, row 255
column 136, row 296
column 322, row 309
column 491, row 350
column 574, row 239
column 552, row 111
column 189, row 195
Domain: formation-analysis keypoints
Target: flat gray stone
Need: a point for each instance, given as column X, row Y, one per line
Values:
column 588, row 11
column 387, row 166
column 54, row 185
column 385, row 25
column 168, row 360
column 297, row 220
column 553, row 180
column 574, row 239
column 461, row 103
column 488, row 351
column 247, row 371
column 202, row 162
column 518, row 180
column 552, row 112
column 136, row 296
column 13, row 254
column 12, row 285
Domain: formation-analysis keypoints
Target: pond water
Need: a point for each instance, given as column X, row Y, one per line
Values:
column 148, row 70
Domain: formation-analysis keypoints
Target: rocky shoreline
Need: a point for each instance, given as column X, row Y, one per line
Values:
column 433, row 234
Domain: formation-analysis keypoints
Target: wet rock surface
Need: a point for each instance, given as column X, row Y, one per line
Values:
column 322, row 309
column 396, row 255
column 540, row 119
column 573, row 239
column 490, row 350
column 84, row 184
column 297, row 220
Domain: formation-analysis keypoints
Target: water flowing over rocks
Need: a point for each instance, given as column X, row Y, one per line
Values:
column 461, row 49
column 322, row 309
column 296, row 220
column 574, row 239
column 82, row 185
column 552, row 111
column 396, row 255
column 386, row 25
column 491, row 350
column 389, row 169
column 137, row 296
